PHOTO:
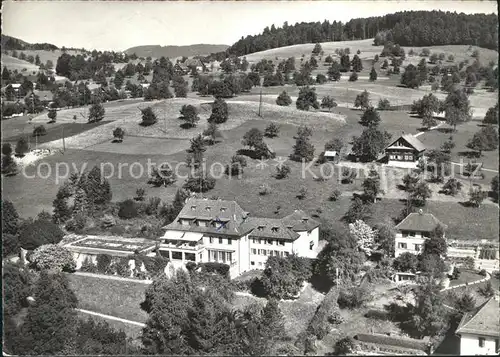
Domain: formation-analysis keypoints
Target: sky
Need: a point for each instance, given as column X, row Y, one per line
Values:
column 118, row 25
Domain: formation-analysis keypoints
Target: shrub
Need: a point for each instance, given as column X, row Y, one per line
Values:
column 88, row 266
column 272, row 130
column 53, row 257
column 239, row 159
column 335, row 195
column 282, row 171
column 127, row 209
column 354, row 297
column 77, row 223
column 214, row 267
column 486, row 290
column 384, row 104
column 139, row 194
column 121, row 267
column 103, row 263
column 34, row 234
column 152, row 206
column 191, row 266
column 154, row 265
column 345, row 346
column 483, row 272
column 39, row 131
column 302, row 193
column 265, row 189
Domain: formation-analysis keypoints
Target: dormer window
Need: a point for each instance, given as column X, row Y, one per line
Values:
column 274, row 229
column 208, row 208
column 193, row 208
column 260, row 228
column 223, row 209
column 304, row 220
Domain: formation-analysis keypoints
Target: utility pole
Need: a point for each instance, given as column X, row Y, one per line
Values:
column 165, row 117
column 260, row 102
column 64, row 145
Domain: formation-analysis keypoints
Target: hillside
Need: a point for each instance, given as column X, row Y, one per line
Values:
column 12, row 43
column 13, row 63
column 156, row 51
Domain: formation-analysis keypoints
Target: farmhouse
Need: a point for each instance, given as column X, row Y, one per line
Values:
column 185, row 67
column 45, row 96
column 412, row 232
column 479, row 330
column 220, row 231
column 405, row 151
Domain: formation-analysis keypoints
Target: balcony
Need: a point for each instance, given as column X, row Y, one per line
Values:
column 181, row 245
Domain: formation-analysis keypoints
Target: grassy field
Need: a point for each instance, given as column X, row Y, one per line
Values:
column 466, row 277
column 472, row 289
column 46, row 55
column 13, row 63
column 110, row 297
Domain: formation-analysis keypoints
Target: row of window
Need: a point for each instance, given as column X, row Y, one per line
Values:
column 400, row 157
column 268, row 241
column 214, row 240
column 269, row 253
column 405, row 246
column 413, row 233
column 219, row 256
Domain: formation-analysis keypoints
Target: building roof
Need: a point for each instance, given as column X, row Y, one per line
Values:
column 193, row 62
column 411, row 140
column 270, row 228
column 482, row 321
column 43, row 95
column 419, row 221
column 330, row 153
column 236, row 222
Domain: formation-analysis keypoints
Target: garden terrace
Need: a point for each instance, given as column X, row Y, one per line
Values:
column 393, row 344
column 111, row 245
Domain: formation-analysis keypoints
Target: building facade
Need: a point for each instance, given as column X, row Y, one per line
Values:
column 405, row 151
column 479, row 330
column 412, row 232
column 220, row 231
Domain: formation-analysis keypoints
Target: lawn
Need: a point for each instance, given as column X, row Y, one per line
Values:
column 466, row 277
column 110, row 297
column 472, row 289
column 13, row 63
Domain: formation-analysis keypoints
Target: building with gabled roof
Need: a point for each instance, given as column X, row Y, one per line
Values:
column 412, row 232
column 405, row 151
column 208, row 230
column 479, row 330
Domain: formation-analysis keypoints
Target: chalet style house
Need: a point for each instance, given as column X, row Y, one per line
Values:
column 185, row 67
column 405, row 151
column 221, row 231
column 412, row 232
column 479, row 330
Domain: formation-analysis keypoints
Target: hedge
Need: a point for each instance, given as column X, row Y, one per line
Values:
column 326, row 314
column 393, row 341
column 88, row 266
column 214, row 267
column 154, row 265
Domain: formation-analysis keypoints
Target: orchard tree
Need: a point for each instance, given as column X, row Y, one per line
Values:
column 420, row 193
column 364, row 236
column 96, row 112
column 272, row 130
column 162, row 175
column 303, row 149
column 484, row 140
column 219, row 113
column 448, row 145
column 211, row 133
column 334, row 72
column 370, row 144
column 118, row 134
column 252, row 138
column 362, row 100
column 148, row 117
column 284, row 99
column 457, row 108
column 189, row 114
column 370, row 118
column 52, row 114
column 410, row 77
column 307, row 98
column 373, row 74
column 328, row 102
column 196, row 151
column 358, row 210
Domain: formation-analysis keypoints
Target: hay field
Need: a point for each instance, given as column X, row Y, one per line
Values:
column 13, row 63
column 48, row 55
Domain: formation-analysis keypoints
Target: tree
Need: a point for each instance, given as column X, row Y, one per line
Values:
column 371, row 186
column 307, row 98
column 283, row 276
column 484, row 140
column 457, row 108
column 356, row 64
column 433, row 58
column 495, row 187
column 282, row 171
column 119, row 79
column 452, row 186
column 190, row 115
column 6, row 149
column 10, row 218
column 420, row 193
column 410, row 77
column 52, row 114
column 180, row 87
column 317, row 49
column 199, row 182
column 252, row 138
column 491, row 116
column 61, row 211
column 53, row 257
column 96, row 112
column 384, row 104
column 162, row 176
column 436, row 244
column 362, row 100
column 21, row 147
column 328, row 102
column 212, row 132
column 303, row 150
column 373, row 74
column 118, row 134
column 97, row 188
column 272, row 130
column 358, row 210
column 148, row 117
column 334, row 72
column 334, row 145
column 465, row 303
column 477, row 196
column 195, row 151
column 49, row 327
column 406, row 262
column 345, row 63
column 370, row 118
column 284, row 99
column 353, row 77
column 370, row 144
column 364, row 235
column 39, row 130
column 219, row 112
column 448, row 145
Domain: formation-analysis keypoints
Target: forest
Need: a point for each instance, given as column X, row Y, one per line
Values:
column 408, row 28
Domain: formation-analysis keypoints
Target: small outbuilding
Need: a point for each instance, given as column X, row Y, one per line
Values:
column 331, row 155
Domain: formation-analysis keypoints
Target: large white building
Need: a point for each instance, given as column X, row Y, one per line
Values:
column 479, row 330
column 221, row 231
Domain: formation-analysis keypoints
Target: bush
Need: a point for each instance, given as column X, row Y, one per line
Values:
column 239, row 159
column 282, row 171
column 128, row 209
column 265, row 189
column 354, row 297
column 39, row 131
column 214, row 267
column 154, row 265
column 335, row 195
column 121, row 267
column 77, row 223
column 345, row 346
column 140, row 193
column 384, row 104
column 103, row 263
column 152, row 206
column 53, row 257
column 34, row 234
column 88, row 266
column 483, row 272
column 486, row 290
